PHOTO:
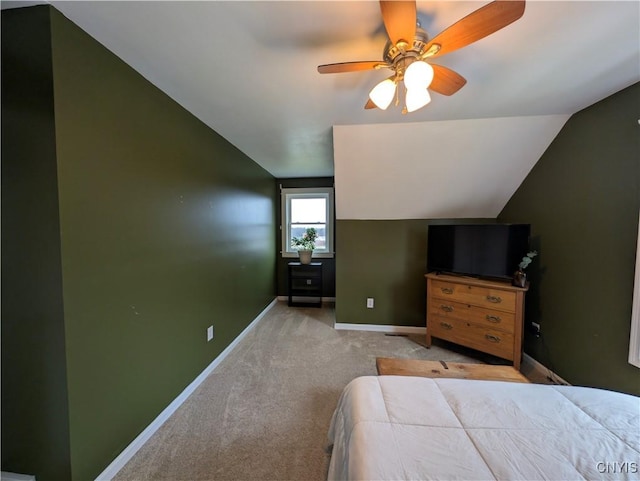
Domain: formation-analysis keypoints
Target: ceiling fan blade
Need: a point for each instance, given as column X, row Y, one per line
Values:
column 370, row 105
column 446, row 81
column 399, row 20
column 351, row 66
column 484, row 21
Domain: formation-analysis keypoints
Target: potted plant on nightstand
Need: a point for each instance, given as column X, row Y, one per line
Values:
column 305, row 245
column 519, row 276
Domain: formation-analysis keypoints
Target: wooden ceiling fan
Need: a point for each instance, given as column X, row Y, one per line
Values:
column 409, row 46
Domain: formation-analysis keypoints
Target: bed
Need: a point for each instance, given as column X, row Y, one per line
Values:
column 401, row 428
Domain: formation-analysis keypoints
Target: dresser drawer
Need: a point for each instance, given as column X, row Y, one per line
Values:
column 476, row 295
column 492, row 341
column 490, row 318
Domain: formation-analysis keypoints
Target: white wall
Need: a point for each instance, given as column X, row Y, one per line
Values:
column 440, row 169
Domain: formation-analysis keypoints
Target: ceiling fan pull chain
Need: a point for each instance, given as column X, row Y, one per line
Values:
column 404, row 109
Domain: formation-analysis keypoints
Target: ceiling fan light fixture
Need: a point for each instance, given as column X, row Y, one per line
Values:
column 408, row 46
column 418, row 75
column 383, row 93
column 416, row 99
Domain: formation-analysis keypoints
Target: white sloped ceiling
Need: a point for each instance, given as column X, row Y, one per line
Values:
column 248, row 69
column 440, row 169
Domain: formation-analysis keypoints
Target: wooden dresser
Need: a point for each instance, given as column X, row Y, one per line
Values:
column 480, row 314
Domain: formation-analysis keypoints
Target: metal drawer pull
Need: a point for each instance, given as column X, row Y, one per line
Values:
column 446, row 290
column 446, row 325
column 446, row 308
column 492, row 338
column 495, row 319
column 494, row 299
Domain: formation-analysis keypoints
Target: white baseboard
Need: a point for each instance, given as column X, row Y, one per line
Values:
column 381, row 328
column 542, row 369
column 6, row 476
column 123, row 458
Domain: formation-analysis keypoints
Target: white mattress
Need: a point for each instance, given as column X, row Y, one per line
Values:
column 396, row 427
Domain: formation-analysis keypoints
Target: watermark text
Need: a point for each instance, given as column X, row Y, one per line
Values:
column 617, row 467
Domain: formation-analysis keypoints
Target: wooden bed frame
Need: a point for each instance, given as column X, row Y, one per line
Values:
column 440, row 369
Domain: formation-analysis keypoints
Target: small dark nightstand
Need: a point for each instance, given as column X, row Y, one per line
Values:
column 305, row 284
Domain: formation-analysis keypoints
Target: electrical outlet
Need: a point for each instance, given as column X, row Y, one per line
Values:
column 535, row 329
column 369, row 302
column 209, row 333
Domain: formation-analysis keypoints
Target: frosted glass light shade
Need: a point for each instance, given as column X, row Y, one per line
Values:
column 417, row 98
column 382, row 94
column 418, row 75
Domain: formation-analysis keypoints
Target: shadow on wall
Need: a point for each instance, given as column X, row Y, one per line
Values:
column 409, row 292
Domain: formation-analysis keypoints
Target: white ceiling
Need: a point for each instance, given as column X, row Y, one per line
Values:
column 248, row 70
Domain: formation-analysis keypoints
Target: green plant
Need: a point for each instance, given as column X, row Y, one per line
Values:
column 307, row 242
column 526, row 260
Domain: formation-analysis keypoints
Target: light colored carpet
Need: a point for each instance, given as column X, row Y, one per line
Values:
column 264, row 413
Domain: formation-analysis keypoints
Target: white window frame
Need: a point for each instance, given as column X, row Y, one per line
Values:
column 298, row 193
column 634, row 341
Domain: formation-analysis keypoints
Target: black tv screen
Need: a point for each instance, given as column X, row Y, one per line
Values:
column 481, row 250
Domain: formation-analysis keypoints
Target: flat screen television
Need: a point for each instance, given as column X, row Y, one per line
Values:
column 479, row 250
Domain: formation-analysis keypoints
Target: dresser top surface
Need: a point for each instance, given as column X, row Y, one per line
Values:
column 474, row 281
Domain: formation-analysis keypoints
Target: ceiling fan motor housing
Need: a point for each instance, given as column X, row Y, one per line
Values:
column 401, row 55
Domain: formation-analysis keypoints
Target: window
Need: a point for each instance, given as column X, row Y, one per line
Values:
column 304, row 208
column 634, row 341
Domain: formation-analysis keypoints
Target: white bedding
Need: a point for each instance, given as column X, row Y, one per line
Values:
column 396, row 427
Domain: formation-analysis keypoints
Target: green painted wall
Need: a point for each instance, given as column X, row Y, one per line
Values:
column 35, row 417
column 582, row 199
column 386, row 260
column 164, row 229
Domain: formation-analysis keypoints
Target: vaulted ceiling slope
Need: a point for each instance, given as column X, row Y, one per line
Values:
column 438, row 169
column 248, row 68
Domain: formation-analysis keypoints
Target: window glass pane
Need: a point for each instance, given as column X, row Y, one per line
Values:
column 298, row 230
column 309, row 210
column 303, row 208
